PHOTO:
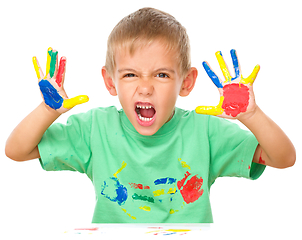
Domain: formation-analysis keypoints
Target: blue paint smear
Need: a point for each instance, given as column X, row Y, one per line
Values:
column 51, row 96
column 235, row 63
column 212, row 75
column 165, row 181
column 121, row 193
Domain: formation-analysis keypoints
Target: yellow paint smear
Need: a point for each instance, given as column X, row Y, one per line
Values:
column 184, row 164
column 250, row 79
column 159, row 192
column 145, row 208
column 48, row 61
column 223, row 67
column 121, row 168
column 211, row 110
column 36, row 67
column 70, row 103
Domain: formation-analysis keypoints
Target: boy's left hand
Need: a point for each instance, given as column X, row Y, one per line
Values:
column 236, row 94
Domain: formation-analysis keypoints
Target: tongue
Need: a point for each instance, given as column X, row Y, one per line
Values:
column 147, row 113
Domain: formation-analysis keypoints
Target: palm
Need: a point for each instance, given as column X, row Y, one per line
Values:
column 51, row 84
column 236, row 94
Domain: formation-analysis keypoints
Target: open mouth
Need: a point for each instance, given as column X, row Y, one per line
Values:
column 145, row 113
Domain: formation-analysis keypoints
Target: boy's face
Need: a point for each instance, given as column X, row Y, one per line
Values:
column 147, row 84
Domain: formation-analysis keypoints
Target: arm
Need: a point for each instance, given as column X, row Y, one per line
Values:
column 23, row 142
column 237, row 101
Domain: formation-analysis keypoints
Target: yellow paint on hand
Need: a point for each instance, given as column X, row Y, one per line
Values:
column 121, row 168
column 184, row 164
column 223, row 67
column 36, row 67
column 70, row 103
column 158, row 192
column 211, row 110
column 145, row 208
column 48, row 61
column 250, row 79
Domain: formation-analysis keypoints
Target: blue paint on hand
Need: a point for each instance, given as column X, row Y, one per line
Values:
column 235, row 63
column 51, row 96
column 114, row 191
column 212, row 75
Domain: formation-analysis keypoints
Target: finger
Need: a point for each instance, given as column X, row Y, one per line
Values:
column 212, row 75
column 235, row 63
column 53, row 63
column 61, row 72
column 70, row 103
column 211, row 110
column 223, row 67
column 49, row 51
column 251, row 79
column 38, row 69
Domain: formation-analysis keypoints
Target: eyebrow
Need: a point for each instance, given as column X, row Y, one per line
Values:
column 157, row 70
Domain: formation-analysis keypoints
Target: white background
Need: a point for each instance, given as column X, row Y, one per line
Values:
column 263, row 32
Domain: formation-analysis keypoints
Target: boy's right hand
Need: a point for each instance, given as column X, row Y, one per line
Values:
column 51, row 84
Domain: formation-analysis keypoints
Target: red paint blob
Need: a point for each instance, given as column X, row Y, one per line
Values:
column 138, row 186
column 261, row 161
column 61, row 71
column 191, row 191
column 236, row 99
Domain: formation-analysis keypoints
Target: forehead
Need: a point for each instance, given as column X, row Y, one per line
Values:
column 146, row 52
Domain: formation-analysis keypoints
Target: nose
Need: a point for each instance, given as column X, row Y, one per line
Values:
column 145, row 87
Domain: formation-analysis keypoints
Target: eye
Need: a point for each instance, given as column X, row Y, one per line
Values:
column 162, row 75
column 130, row 75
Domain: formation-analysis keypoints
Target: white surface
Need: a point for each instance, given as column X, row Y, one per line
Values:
column 263, row 32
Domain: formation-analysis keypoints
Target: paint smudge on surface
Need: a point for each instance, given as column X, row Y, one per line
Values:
column 120, row 169
column 135, row 196
column 125, row 211
column 145, row 208
column 51, row 96
column 114, row 191
column 184, row 164
column 165, row 181
column 138, row 186
column 165, row 232
column 236, row 99
column 158, row 192
column 190, row 189
column 261, row 161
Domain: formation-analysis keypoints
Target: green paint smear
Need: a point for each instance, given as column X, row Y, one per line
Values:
column 143, row 198
column 53, row 61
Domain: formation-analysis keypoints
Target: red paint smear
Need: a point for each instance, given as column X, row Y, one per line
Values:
column 191, row 191
column 61, row 71
column 236, row 99
column 261, row 161
column 88, row 229
column 138, row 186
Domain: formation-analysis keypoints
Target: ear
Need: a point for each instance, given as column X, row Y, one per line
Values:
column 189, row 82
column 109, row 83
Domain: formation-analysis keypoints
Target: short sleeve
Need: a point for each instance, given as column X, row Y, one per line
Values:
column 231, row 151
column 67, row 147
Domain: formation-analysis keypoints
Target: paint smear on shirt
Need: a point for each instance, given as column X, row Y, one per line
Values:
column 120, row 169
column 138, row 186
column 135, row 196
column 236, row 99
column 114, row 191
column 190, row 189
column 184, row 164
column 165, row 181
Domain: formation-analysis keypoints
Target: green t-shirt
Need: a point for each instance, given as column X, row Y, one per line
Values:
column 163, row 178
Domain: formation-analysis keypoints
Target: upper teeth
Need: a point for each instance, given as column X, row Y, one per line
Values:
column 143, row 107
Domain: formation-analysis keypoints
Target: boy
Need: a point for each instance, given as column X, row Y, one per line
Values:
column 151, row 162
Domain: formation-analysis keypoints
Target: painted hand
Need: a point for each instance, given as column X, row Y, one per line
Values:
column 236, row 94
column 51, row 84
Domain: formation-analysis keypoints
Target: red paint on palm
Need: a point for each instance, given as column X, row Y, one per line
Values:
column 236, row 99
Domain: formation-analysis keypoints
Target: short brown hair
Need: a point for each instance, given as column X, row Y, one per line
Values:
column 144, row 26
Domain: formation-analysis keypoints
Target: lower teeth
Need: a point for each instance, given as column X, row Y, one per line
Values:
column 143, row 118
